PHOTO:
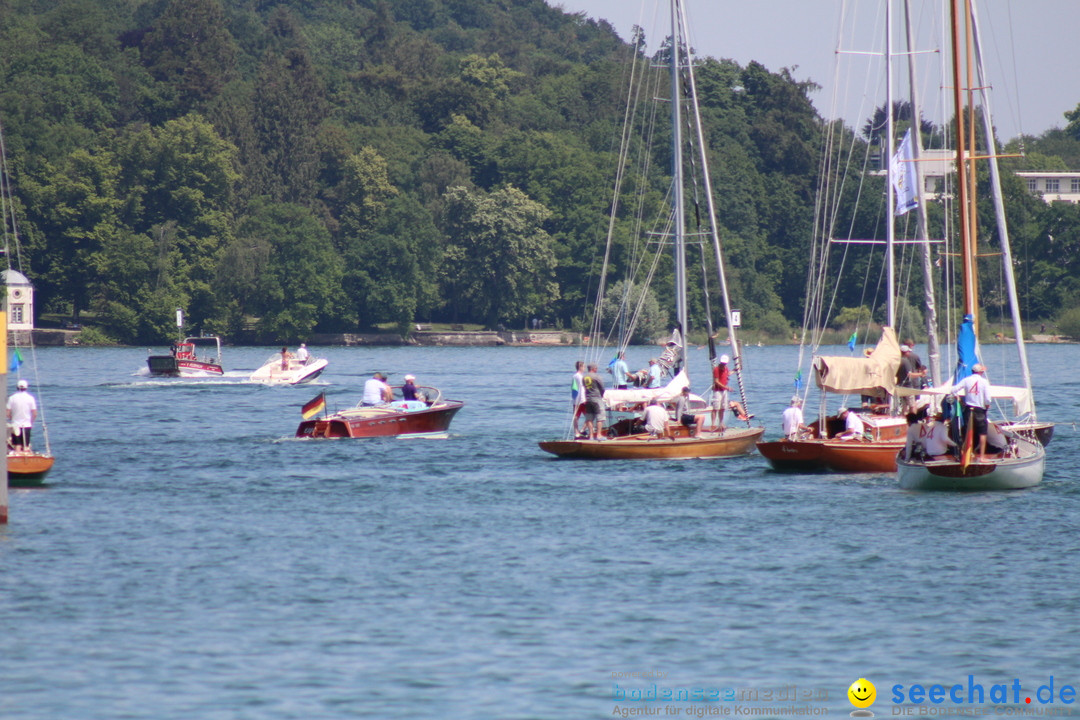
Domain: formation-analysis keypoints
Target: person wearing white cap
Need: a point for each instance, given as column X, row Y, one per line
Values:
column 408, row 389
column 21, row 413
column 302, row 354
column 793, row 419
column 976, row 390
column 720, row 374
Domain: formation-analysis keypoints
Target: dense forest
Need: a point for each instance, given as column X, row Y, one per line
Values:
column 290, row 167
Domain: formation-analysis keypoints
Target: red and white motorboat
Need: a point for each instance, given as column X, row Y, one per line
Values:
column 411, row 418
column 183, row 359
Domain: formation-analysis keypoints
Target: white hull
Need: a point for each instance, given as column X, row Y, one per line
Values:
column 272, row 374
column 1011, row 473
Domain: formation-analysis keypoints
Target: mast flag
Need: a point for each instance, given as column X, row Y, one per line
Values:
column 903, row 176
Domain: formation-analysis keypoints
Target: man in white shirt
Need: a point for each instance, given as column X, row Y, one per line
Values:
column 656, row 419
column 376, row 391
column 976, row 389
column 21, row 413
column 853, row 426
column 302, row 354
column 793, row 419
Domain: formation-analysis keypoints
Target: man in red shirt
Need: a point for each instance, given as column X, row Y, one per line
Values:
column 720, row 374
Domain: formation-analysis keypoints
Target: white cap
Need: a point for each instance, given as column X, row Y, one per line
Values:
column 22, row 384
column 796, row 400
column 724, row 358
column 303, row 345
column 905, row 348
column 410, row 377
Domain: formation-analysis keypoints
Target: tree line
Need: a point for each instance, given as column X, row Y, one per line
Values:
column 279, row 169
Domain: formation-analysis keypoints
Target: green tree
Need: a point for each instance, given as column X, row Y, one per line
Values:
column 190, row 50
column 499, row 262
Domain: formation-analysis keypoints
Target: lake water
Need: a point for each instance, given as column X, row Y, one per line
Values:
column 190, row 560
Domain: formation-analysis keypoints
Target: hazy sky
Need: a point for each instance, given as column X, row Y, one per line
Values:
column 1030, row 47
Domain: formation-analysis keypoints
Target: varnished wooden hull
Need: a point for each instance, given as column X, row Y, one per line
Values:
column 382, row 422
column 855, row 456
column 28, row 470
column 731, row 443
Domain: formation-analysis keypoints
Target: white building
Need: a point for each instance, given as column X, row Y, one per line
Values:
column 20, row 298
column 1053, row 185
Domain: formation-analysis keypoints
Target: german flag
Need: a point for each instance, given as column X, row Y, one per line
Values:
column 314, row 406
column 969, row 444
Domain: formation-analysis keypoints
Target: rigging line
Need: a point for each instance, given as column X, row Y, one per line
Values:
column 8, row 206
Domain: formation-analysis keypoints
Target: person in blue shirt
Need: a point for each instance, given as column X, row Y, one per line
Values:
column 656, row 374
column 620, row 370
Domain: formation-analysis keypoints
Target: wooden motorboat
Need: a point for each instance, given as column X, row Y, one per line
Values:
column 885, row 435
column 412, row 418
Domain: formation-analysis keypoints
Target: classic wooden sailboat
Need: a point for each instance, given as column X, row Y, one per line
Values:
column 873, row 375
column 624, row 440
column 25, row 466
column 1017, row 461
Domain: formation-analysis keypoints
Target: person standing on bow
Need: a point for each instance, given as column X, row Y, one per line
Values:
column 22, row 411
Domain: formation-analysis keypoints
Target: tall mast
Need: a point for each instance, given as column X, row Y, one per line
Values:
column 999, row 208
column 677, row 175
column 890, row 228
column 710, row 205
column 933, row 350
column 962, row 189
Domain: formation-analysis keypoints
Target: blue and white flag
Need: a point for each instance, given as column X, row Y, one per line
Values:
column 903, row 176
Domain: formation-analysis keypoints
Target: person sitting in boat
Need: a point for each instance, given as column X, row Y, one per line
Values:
column 656, row 418
column 21, row 413
column 914, row 447
column 792, row 419
column 408, row 389
column 936, row 441
column 286, row 356
column 853, row 426
column 739, row 411
column 376, row 391
column 682, row 412
column 302, row 354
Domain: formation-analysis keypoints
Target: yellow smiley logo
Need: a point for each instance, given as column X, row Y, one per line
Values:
column 862, row 693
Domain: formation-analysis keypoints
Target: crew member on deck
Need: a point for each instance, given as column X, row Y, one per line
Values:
column 21, row 413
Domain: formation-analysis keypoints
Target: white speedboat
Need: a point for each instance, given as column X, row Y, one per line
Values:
column 290, row 372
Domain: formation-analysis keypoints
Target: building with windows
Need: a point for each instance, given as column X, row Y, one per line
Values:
column 20, row 301
column 1053, row 185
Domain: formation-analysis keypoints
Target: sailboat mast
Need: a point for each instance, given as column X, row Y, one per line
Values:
column 933, row 350
column 962, row 189
column 890, row 228
column 714, row 232
column 999, row 207
column 677, row 177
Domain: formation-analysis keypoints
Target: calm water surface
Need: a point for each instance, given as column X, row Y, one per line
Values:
column 190, row 560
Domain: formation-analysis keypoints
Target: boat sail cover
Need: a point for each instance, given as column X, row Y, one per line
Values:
column 632, row 396
column 869, row 375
